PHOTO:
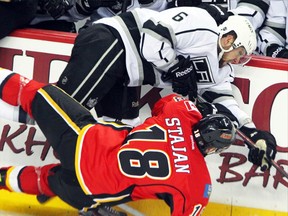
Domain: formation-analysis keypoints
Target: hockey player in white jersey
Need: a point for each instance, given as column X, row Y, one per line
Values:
column 273, row 37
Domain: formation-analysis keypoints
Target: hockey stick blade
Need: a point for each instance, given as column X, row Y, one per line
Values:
column 250, row 143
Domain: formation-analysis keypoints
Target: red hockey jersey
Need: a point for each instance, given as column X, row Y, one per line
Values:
column 157, row 160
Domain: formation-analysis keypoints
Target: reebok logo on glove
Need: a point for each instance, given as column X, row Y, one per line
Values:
column 183, row 73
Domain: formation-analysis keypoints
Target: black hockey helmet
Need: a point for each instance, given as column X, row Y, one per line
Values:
column 214, row 133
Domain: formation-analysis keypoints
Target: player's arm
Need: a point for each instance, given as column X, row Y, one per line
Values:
column 272, row 35
column 227, row 105
column 254, row 10
column 160, row 44
column 157, row 45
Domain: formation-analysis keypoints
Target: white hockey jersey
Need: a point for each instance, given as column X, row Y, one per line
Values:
column 186, row 31
column 275, row 29
column 254, row 10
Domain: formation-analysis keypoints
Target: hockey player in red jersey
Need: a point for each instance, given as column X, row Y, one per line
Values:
column 111, row 163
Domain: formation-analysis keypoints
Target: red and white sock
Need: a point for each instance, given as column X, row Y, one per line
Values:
column 29, row 179
column 18, row 90
column 11, row 85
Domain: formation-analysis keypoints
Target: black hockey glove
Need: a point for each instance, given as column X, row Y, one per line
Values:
column 183, row 78
column 55, row 8
column 277, row 51
column 265, row 147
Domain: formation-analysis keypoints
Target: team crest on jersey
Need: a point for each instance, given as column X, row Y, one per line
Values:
column 203, row 70
column 64, row 80
column 92, row 102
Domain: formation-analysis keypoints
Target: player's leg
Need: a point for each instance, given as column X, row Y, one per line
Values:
column 97, row 62
column 121, row 103
column 59, row 117
column 14, row 113
column 28, row 179
column 45, row 182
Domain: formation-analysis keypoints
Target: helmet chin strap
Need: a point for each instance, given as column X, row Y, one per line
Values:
column 222, row 50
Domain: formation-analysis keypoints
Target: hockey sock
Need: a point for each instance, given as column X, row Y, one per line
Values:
column 18, row 90
column 30, row 179
column 10, row 89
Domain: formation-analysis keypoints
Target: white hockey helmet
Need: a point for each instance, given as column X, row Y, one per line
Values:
column 246, row 35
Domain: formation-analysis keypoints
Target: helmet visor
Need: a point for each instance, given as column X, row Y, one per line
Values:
column 243, row 60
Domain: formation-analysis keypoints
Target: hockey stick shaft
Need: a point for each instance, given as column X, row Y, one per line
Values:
column 251, row 144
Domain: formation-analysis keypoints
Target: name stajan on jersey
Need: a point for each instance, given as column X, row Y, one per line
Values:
column 157, row 160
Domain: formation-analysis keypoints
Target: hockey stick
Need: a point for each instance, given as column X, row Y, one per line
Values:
column 251, row 144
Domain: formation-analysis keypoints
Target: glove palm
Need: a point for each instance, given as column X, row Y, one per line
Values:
column 265, row 147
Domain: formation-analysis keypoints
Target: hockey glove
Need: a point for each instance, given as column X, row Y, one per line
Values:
column 265, row 147
column 183, row 78
column 277, row 51
column 55, row 8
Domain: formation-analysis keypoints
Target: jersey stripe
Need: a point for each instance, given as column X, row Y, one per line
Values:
column 59, row 110
column 93, row 69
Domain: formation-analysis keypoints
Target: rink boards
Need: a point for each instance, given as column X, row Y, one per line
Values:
column 238, row 188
